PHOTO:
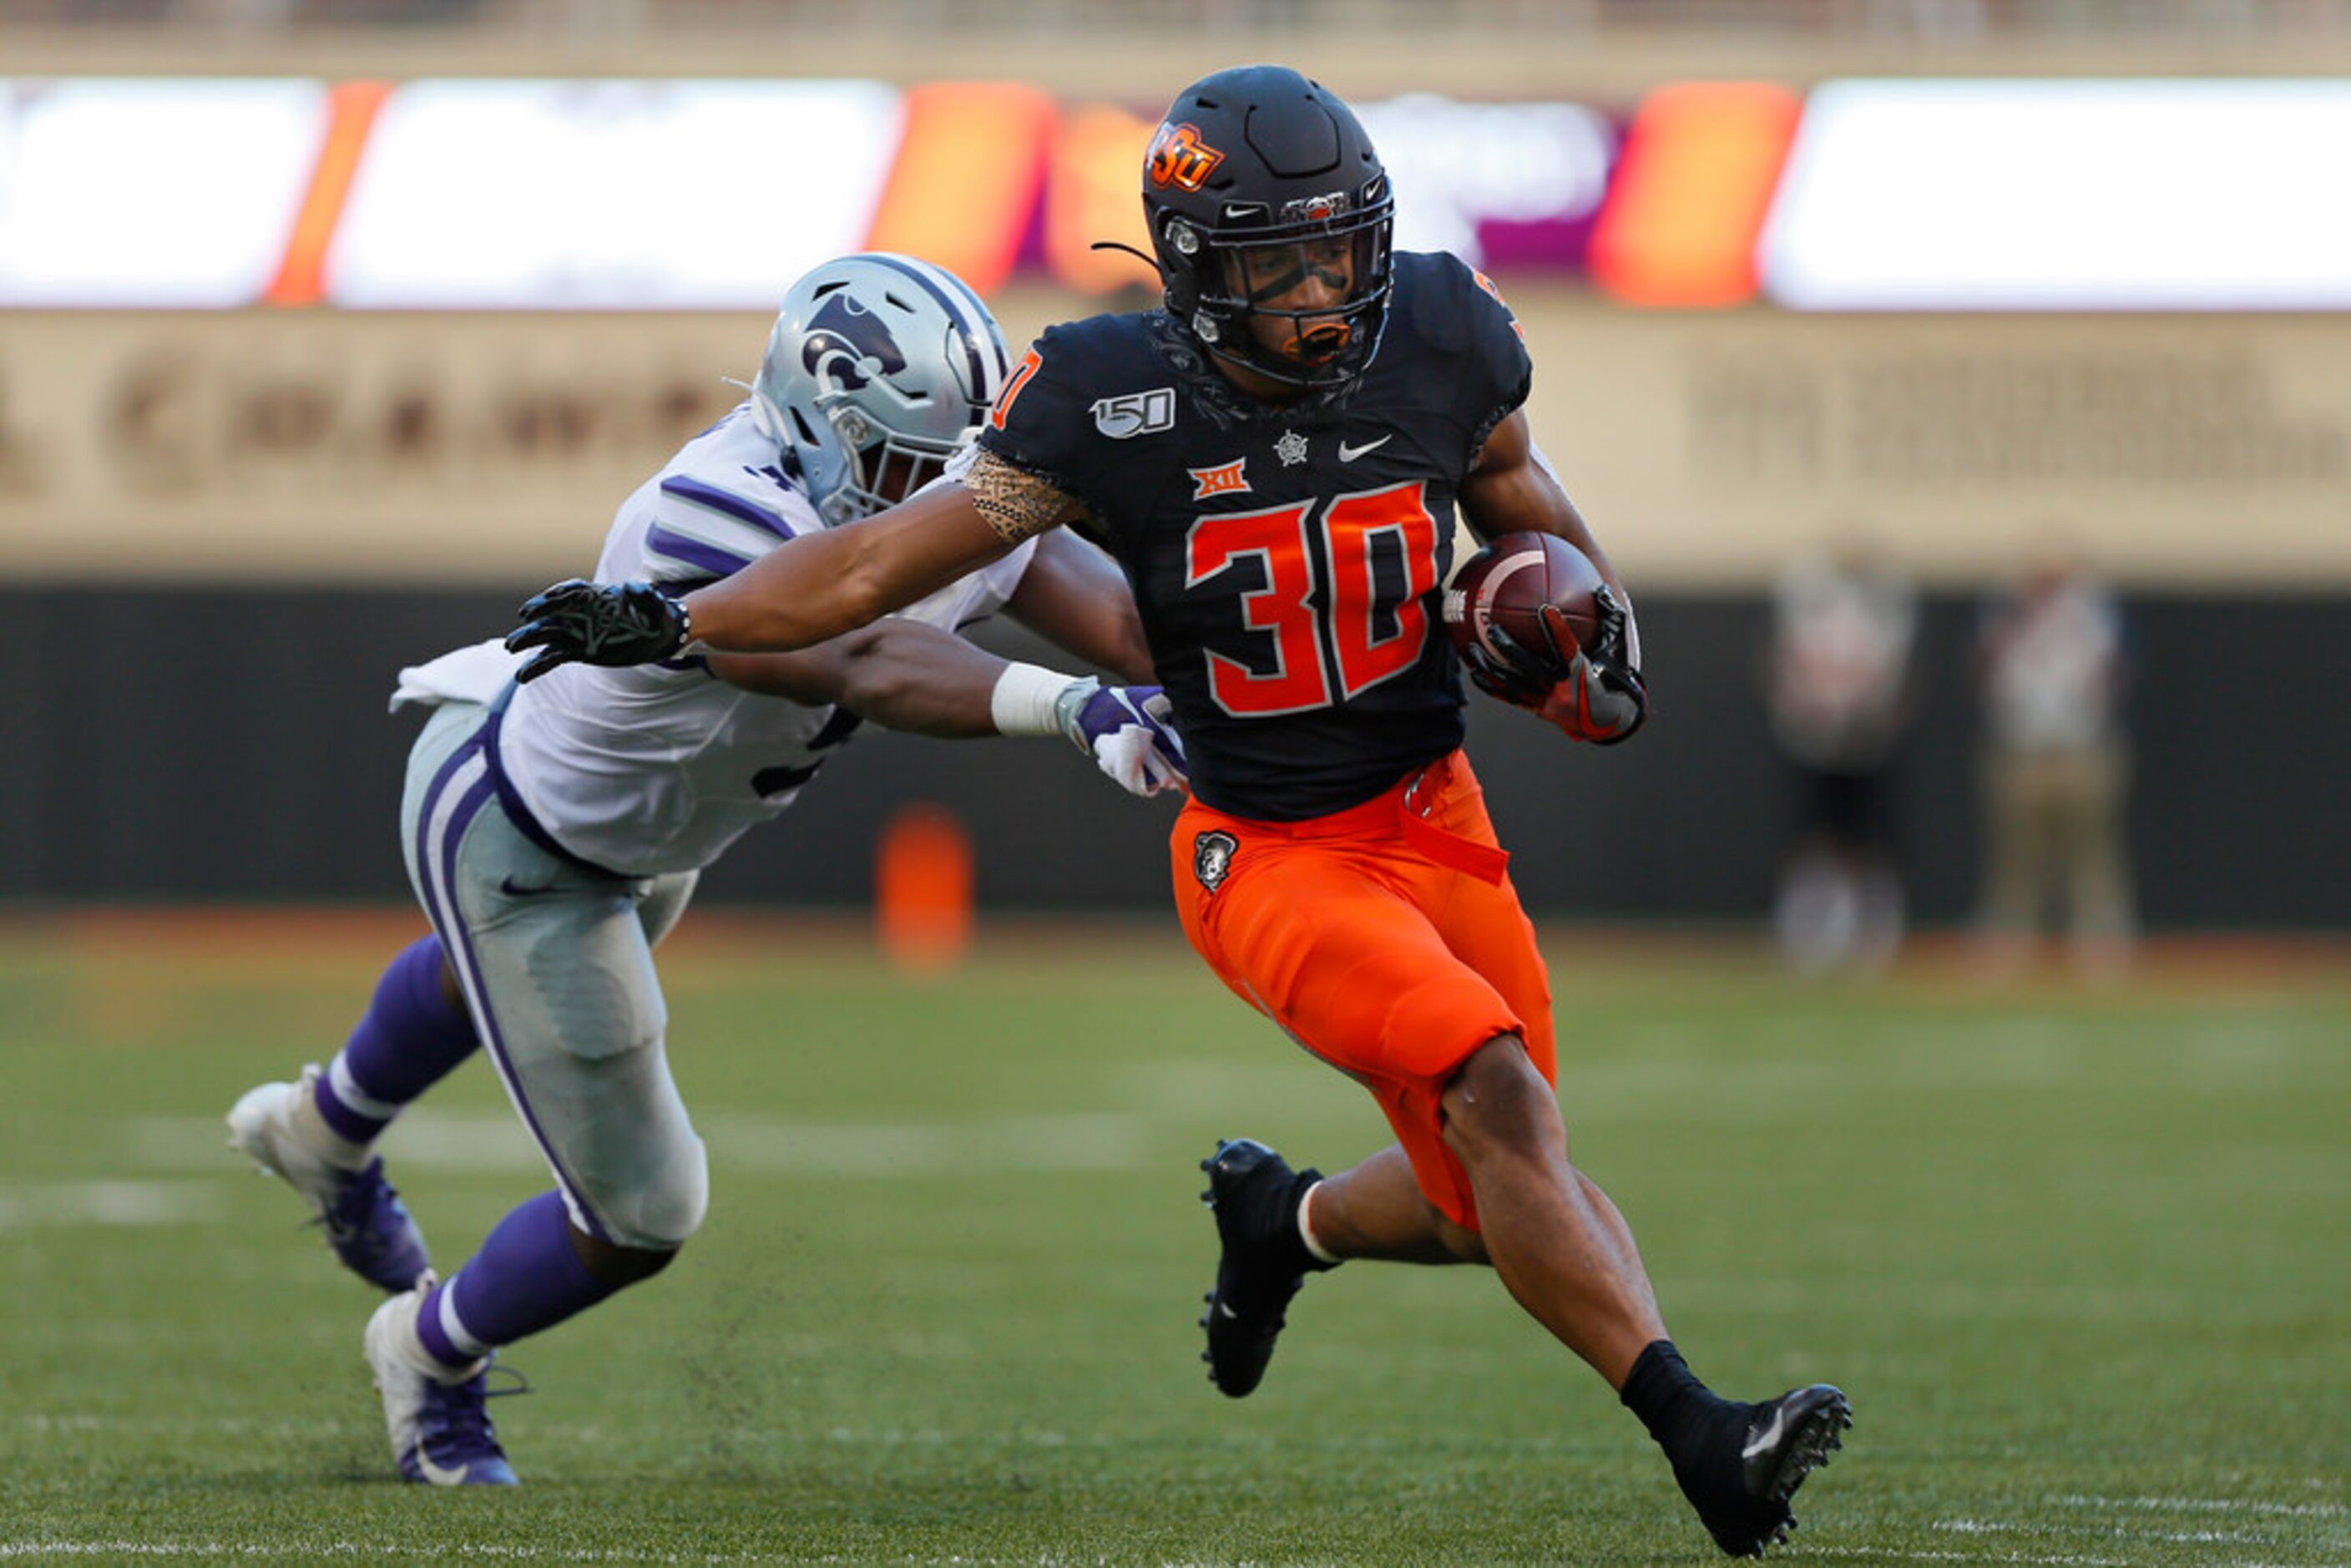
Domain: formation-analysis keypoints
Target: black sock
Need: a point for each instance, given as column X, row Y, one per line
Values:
column 1680, row 1412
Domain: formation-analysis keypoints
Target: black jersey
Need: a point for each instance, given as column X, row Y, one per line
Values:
column 1287, row 561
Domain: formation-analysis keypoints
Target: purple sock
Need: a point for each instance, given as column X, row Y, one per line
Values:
column 408, row 1041
column 526, row 1278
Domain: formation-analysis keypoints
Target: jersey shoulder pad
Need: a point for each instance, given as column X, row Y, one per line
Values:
column 1062, row 412
column 723, row 501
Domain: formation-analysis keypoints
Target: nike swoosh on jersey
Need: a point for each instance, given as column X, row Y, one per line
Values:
column 1349, row 453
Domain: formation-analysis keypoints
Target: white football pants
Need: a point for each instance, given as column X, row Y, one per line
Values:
column 556, row 962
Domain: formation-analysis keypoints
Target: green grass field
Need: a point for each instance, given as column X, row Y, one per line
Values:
column 2083, row 1264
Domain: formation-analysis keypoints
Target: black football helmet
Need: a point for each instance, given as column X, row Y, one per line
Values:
column 1257, row 180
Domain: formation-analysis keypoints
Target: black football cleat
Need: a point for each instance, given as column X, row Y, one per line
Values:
column 1255, row 1195
column 1782, row 1441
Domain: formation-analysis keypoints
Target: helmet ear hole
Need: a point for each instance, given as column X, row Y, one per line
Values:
column 801, row 425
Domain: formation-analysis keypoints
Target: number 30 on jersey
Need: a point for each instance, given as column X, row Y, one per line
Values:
column 1370, row 635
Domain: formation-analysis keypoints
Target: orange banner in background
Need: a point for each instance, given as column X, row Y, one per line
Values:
column 1090, row 194
column 352, row 108
column 969, row 167
column 1690, row 194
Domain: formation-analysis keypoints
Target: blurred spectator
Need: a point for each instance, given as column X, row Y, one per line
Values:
column 1839, row 681
column 2051, row 660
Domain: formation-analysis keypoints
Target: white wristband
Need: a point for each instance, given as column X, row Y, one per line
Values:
column 1025, row 698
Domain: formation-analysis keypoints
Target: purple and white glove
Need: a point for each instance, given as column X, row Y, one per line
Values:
column 1130, row 732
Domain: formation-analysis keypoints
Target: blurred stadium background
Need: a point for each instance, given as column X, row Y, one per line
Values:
column 328, row 329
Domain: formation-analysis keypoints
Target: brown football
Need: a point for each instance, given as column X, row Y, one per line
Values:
column 1505, row 586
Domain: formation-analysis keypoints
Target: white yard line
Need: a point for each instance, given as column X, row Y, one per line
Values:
column 2150, row 1528
column 26, row 1205
column 2116, row 1531
column 495, row 1143
column 301, row 1548
column 1877, row 1554
column 329, row 1549
column 2211, row 1505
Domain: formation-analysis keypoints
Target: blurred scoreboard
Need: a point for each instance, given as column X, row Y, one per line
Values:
column 704, row 195
column 302, row 329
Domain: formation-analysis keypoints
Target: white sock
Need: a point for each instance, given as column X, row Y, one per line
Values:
column 1306, row 1232
column 322, row 1140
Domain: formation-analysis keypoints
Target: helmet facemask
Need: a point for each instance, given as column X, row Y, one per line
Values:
column 882, row 467
column 1324, row 290
column 1257, row 177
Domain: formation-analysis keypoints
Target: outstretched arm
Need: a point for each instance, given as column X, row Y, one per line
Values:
column 1075, row 596
column 906, row 675
column 807, row 590
column 900, row 674
column 823, row 584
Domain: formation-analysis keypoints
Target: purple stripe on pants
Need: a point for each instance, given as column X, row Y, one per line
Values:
column 439, row 873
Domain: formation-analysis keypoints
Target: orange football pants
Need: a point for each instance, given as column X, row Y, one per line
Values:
column 1385, row 938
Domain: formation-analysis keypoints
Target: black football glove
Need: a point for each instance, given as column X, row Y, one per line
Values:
column 1526, row 671
column 1510, row 681
column 598, row 624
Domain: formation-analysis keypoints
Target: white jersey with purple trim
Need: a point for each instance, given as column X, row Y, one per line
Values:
column 659, row 767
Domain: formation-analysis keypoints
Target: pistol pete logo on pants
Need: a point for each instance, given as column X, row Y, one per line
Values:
column 1212, row 858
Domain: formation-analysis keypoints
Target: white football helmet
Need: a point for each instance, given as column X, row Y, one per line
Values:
column 880, row 369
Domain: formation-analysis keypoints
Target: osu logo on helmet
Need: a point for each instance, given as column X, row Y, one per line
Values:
column 1178, row 157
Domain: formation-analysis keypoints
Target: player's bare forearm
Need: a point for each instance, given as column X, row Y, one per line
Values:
column 1512, row 489
column 823, row 584
column 1076, row 597
column 900, row 674
column 905, row 675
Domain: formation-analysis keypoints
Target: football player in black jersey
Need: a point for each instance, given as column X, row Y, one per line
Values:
column 1275, row 459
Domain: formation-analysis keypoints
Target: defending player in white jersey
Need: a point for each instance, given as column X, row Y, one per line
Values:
column 554, row 832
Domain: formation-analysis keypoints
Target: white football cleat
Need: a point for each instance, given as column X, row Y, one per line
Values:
column 438, row 1419
column 277, row 1128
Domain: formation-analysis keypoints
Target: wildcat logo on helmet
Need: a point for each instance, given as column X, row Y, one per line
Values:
column 1224, row 481
column 1180, row 158
column 842, row 336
